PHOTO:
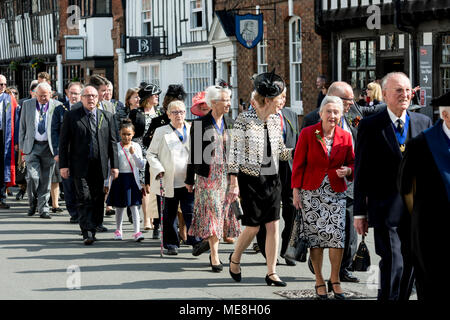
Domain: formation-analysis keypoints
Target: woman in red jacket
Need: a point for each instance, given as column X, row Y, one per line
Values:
column 323, row 160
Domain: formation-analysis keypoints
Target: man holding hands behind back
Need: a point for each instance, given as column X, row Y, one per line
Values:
column 89, row 134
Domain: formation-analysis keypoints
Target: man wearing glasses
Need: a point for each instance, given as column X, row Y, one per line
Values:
column 353, row 113
column 87, row 143
column 74, row 94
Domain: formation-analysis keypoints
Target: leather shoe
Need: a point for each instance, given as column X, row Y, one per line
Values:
column 346, row 276
column 101, row 228
column 289, row 262
column 74, row 220
column 55, row 210
column 172, row 251
column 45, row 215
column 200, row 247
column 4, row 205
column 156, row 234
column 31, row 212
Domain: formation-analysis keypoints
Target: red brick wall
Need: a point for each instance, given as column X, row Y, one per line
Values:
column 314, row 49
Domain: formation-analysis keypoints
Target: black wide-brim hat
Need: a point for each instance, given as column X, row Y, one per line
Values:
column 269, row 84
column 176, row 91
column 148, row 91
column 443, row 100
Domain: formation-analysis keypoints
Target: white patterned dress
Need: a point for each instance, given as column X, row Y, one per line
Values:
column 324, row 214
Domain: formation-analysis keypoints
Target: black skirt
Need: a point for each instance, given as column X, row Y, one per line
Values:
column 124, row 192
column 260, row 198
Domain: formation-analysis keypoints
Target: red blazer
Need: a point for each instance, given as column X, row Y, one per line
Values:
column 311, row 161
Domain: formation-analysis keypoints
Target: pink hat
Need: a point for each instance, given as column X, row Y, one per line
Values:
column 197, row 100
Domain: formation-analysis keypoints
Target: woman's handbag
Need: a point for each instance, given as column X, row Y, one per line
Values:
column 21, row 170
column 361, row 260
column 236, row 208
column 298, row 244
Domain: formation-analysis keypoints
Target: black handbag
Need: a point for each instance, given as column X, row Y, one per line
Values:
column 361, row 260
column 21, row 171
column 236, row 208
column 298, row 245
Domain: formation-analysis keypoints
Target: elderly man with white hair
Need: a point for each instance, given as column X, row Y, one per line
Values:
column 424, row 182
column 35, row 143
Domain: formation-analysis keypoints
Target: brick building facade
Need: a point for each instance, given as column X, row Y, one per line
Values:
column 281, row 28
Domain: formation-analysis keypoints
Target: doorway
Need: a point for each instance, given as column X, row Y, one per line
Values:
column 393, row 65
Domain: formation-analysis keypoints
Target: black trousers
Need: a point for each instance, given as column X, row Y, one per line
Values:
column 288, row 211
column 393, row 245
column 90, row 198
column 351, row 238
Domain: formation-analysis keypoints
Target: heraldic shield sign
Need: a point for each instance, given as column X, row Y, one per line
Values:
column 249, row 29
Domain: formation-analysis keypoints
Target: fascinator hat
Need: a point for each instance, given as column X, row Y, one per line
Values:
column 148, row 90
column 197, row 100
column 269, row 84
column 176, row 91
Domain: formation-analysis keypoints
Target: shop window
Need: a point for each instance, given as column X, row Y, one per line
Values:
column 445, row 64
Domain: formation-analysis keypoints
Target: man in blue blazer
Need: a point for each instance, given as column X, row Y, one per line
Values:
column 379, row 150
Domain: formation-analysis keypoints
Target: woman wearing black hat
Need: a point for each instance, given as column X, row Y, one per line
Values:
column 256, row 147
column 142, row 118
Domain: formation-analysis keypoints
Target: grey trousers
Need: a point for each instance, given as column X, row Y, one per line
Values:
column 40, row 166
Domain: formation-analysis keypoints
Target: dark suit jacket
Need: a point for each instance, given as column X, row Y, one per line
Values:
column 198, row 145
column 292, row 130
column 57, row 120
column 377, row 160
column 75, row 139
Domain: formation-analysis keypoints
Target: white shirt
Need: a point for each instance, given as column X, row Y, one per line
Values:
column 394, row 118
column 37, row 135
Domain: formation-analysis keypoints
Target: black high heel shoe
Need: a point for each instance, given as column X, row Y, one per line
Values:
column 337, row 296
column 321, row 296
column 275, row 282
column 20, row 194
column 236, row 276
column 217, row 267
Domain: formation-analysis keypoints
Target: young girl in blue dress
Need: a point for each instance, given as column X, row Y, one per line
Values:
column 126, row 190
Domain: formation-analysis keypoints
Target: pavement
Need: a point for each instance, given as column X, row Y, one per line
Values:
column 47, row 260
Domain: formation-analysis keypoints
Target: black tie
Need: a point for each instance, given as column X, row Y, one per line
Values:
column 400, row 126
column 41, row 124
column 94, row 141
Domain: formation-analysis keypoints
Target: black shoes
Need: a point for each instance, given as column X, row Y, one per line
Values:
column 45, row 215
column 57, row 210
column 31, row 211
column 346, row 276
column 3, row 205
column 269, row 281
column 337, row 296
column 101, row 228
column 156, row 234
column 289, row 262
column 236, row 276
column 20, row 194
column 111, row 212
column 199, row 248
column 171, row 251
column 321, row 296
column 90, row 238
column 217, row 267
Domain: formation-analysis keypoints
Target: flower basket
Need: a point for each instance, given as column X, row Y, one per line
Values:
column 14, row 66
column 36, row 63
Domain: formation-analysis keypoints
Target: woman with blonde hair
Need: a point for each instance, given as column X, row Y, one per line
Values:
column 374, row 94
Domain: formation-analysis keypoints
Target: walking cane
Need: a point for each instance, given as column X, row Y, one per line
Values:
column 161, row 191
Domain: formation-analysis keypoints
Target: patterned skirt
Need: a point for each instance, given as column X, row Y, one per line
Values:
column 324, row 216
column 212, row 212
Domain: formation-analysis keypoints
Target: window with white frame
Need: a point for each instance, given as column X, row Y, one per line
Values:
column 197, row 77
column 150, row 74
column 262, row 52
column 146, row 17
column 295, row 60
column 197, row 9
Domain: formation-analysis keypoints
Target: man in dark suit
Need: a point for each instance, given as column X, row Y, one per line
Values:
column 289, row 126
column 74, row 93
column 87, row 143
column 424, row 182
column 378, row 203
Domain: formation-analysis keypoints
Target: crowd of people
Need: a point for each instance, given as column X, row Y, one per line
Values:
column 349, row 167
